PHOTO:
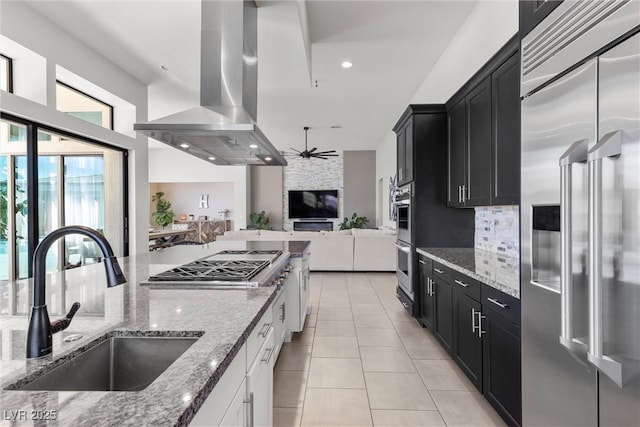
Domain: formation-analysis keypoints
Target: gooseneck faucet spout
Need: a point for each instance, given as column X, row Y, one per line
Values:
column 39, row 341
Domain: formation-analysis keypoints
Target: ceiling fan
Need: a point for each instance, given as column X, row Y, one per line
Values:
column 307, row 154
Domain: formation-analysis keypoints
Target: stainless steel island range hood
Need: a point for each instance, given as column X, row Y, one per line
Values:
column 222, row 130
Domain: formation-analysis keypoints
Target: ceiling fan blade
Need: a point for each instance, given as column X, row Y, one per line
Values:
column 328, row 152
column 313, row 149
column 293, row 149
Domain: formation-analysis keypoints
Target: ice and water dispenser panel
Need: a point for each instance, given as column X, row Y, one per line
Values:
column 545, row 246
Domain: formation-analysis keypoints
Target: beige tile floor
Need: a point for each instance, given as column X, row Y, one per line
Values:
column 363, row 361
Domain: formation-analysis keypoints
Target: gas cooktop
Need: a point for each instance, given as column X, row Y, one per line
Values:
column 246, row 255
column 206, row 270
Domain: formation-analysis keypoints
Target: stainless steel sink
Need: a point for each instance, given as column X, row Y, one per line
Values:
column 121, row 363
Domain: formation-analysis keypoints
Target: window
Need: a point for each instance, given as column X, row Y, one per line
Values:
column 6, row 74
column 83, row 106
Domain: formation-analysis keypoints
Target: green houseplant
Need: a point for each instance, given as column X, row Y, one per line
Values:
column 259, row 221
column 163, row 214
column 355, row 222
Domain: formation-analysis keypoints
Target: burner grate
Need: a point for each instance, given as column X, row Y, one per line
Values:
column 251, row 252
column 211, row 270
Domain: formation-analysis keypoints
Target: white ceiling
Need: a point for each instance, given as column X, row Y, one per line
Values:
column 393, row 45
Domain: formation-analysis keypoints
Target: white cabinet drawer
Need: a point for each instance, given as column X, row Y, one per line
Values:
column 258, row 335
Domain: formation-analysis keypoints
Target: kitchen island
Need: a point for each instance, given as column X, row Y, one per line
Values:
column 223, row 319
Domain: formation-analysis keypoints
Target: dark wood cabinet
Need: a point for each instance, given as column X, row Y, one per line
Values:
column 467, row 345
column 405, row 141
column 478, row 146
column 456, row 149
column 484, row 134
column 428, row 305
column 505, row 120
column 532, row 12
column 443, row 324
column 501, row 366
column 480, row 327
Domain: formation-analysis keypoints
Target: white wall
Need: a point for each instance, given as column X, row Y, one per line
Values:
column 168, row 165
column 487, row 28
column 25, row 26
column 185, row 199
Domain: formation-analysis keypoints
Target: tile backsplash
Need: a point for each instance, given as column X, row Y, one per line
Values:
column 498, row 230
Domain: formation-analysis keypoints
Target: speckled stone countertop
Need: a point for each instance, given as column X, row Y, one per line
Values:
column 223, row 318
column 498, row 271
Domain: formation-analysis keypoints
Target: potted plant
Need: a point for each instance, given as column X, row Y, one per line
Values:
column 259, row 221
column 355, row 222
column 163, row 214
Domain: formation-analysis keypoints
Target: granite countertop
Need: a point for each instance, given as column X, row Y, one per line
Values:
column 498, row 271
column 223, row 318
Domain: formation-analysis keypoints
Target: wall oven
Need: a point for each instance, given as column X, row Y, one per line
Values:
column 402, row 206
column 404, row 270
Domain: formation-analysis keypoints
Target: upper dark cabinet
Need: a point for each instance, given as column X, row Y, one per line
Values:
column 405, row 153
column 457, row 152
column 532, row 12
column 484, row 134
column 505, row 119
column 478, row 183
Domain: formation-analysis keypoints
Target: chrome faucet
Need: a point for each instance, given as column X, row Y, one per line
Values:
column 39, row 342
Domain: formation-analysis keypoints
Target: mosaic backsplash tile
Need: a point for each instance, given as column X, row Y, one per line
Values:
column 498, row 230
column 313, row 174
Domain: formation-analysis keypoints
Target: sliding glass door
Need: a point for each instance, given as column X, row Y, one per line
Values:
column 79, row 182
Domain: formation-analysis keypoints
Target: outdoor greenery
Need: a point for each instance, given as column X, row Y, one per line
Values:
column 4, row 208
column 355, row 222
column 259, row 221
column 163, row 214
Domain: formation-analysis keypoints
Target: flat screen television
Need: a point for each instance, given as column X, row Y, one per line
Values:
column 313, row 204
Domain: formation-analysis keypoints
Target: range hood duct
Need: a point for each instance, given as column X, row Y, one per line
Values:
column 222, row 130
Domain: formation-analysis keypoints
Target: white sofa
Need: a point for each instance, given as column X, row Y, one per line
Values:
column 346, row 250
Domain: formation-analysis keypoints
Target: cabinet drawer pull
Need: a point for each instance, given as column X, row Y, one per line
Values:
column 267, row 355
column 498, row 303
column 461, row 283
column 421, row 261
column 437, row 270
column 265, row 329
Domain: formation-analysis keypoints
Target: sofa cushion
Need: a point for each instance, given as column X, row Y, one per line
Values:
column 338, row 233
column 366, row 232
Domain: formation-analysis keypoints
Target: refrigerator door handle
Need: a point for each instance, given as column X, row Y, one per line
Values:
column 576, row 153
column 610, row 145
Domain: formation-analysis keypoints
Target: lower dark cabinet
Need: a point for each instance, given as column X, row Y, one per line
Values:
column 443, row 324
column 467, row 345
column 427, row 300
column 501, row 367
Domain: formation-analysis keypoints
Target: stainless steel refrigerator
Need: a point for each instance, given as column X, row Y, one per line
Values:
column 580, row 216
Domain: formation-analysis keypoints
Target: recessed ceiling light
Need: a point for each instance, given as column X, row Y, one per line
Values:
column 211, row 158
column 253, row 146
column 347, row 64
column 268, row 159
column 184, row 145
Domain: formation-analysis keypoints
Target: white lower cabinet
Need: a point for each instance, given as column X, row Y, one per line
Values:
column 237, row 412
column 225, row 394
column 244, row 394
column 279, row 314
column 297, row 285
column 260, row 386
